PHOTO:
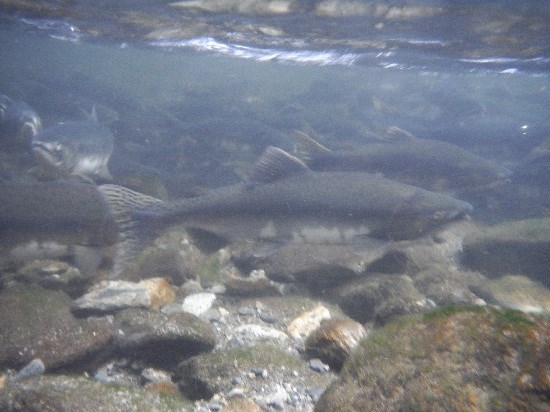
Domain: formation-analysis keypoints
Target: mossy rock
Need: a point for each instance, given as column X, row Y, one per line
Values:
column 206, row 374
column 68, row 393
column 36, row 322
column 452, row 358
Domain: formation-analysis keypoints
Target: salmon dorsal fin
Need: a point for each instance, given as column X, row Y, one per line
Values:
column 394, row 133
column 306, row 145
column 275, row 164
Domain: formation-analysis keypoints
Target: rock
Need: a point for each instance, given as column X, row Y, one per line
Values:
column 316, row 265
column 276, row 398
column 251, row 334
column 67, row 393
column 307, row 322
column 54, row 274
column 413, row 256
column 33, row 368
column 246, row 311
column 238, row 404
column 159, row 262
column 36, row 322
column 516, row 292
column 166, row 387
column 317, row 365
column 256, row 284
column 112, row 295
column 207, row 374
column 198, row 303
column 26, row 253
column 469, row 358
column 118, row 373
column 158, row 380
column 154, row 375
column 449, row 287
column 520, row 247
column 380, row 298
column 176, row 259
column 160, row 339
column 334, row 339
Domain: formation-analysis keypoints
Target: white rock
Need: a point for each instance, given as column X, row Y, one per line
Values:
column 252, row 333
column 118, row 294
column 198, row 303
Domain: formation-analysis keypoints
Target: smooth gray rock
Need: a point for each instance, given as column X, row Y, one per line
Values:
column 159, row 339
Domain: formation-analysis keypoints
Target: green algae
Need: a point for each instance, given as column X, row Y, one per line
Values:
column 452, row 358
column 63, row 392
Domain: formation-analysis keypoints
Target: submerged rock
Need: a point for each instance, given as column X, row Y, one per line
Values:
column 207, row 374
column 316, row 265
column 414, row 256
column 450, row 287
column 333, row 341
column 38, row 323
column 33, row 368
column 381, row 298
column 256, row 284
column 161, row 339
column 307, row 322
column 54, row 274
column 68, row 393
column 520, row 247
column 113, row 295
column 449, row 359
column 516, row 292
column 251, row 334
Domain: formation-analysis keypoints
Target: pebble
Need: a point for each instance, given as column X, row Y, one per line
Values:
column 259, row 372
column 246, row 311
column 235, row 392
column 315, row 393
column 277, row 398
column 33, row 368
column 318, row 366
column 154, row 375
column 212, row 315
column 267, row 317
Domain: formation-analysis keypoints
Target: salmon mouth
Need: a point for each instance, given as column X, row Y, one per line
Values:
column 44, row 157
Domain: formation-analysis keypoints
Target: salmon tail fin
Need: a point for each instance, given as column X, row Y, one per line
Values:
column 132, row 238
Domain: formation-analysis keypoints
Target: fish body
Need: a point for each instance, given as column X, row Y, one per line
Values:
column 285, row 201
column 431, row 164
column 74, row 148
column 65, row 211
column 19, row 123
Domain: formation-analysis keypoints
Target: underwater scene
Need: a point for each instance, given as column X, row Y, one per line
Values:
column 274, row 205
